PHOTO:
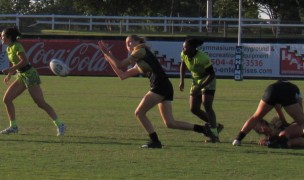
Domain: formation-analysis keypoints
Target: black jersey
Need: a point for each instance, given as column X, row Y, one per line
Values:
column 150, row 67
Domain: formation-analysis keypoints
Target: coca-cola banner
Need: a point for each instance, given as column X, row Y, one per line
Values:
column 82, row 56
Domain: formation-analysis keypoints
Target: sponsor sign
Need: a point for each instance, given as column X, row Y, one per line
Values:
column 85, row 59
column 238, row 70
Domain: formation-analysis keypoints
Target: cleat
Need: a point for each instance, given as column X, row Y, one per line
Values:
column 9, row 130
column 220, row 127
column 216, row 140
column 61, row 130
column 236, row 142
column 213, row 138
column 152, row 145
column 208, row 133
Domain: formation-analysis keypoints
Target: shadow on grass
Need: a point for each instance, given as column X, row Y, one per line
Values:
column 64, row 139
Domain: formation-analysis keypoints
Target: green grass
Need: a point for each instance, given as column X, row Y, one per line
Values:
column 103, row 137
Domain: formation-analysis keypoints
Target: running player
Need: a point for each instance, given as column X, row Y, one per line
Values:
column 203, row 83
column 27, row 78
column 161, row 90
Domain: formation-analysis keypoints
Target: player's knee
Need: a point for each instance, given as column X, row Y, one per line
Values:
column 138, row 113
column 41, row 104
column 209, row 109
column 170, row 125
column 195, row 110
column 6, row 100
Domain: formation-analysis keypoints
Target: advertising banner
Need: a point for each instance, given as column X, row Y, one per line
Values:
column 258, row 60
column 84, row 58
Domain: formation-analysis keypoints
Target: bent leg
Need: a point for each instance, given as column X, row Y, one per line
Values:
column 292, row 131
column 296, row 112
column 195, row 108
column 148, row 102
column 37, row 95
column 296, row 142
column 261, row 111
column 165, row 109
column 13, row 91
column 208, row 105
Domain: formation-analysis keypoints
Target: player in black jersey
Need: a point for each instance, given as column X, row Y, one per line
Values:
column 161, row 90
column 279, row 94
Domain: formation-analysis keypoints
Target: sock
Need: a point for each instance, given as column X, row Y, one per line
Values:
column 240, row 136
column 13, row 123
column 214, row 131
column 154, row 137
column 199, row 128
column 57, row 122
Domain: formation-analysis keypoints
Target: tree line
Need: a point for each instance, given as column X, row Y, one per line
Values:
column 291, row 11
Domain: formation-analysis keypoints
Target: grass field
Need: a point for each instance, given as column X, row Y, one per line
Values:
column 103, row 137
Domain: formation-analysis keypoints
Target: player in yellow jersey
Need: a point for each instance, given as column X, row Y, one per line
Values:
column 203, row 84
column 27, row 78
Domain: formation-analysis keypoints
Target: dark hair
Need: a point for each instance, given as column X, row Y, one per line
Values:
column 137, row 38
column 276, row 125
column 194, row 43
column 12, row 33
column 262, row 122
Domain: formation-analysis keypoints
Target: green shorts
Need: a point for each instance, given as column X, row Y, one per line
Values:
column 195, row 82
column 29, row 77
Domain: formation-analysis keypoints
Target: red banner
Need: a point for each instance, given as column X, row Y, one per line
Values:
column 82, row 56
column 291, row 62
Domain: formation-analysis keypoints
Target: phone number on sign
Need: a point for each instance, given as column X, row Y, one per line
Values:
column 224, row 62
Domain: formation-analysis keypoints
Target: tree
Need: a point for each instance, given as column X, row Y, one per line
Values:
column 14, row 6
column 230, row 9
column 287, row 11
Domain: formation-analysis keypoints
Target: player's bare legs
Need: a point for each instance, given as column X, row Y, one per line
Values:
column 13, row 91
column 261, row 111
column 37, row 95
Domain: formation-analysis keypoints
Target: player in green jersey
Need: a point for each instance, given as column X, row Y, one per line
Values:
column 27, row 78
column 203, row 84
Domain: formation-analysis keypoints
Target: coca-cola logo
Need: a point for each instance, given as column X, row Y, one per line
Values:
column 81, row 57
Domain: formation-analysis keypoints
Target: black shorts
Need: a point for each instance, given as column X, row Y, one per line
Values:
column 163, row 88
column 281, row 92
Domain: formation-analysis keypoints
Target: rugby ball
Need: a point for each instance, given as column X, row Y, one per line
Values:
column 59, row 68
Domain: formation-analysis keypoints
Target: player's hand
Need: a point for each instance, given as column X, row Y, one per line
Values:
column 263, row 142
column 7, row 78
column 103, row 47
column 181, row 86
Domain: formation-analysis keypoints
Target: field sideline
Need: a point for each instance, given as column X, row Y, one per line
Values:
column 103, row 137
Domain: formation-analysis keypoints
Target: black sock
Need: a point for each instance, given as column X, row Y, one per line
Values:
column 240, row 136
column 154, row 137
column 199, row 128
